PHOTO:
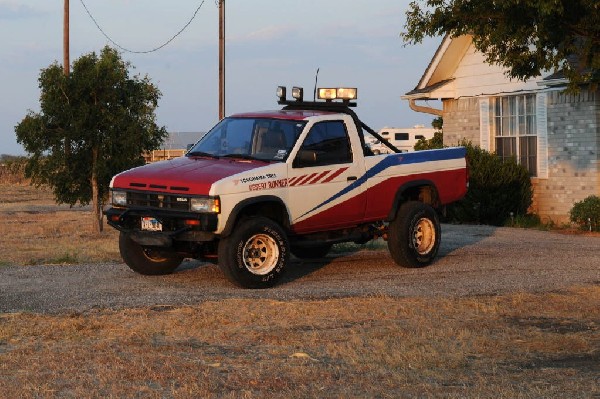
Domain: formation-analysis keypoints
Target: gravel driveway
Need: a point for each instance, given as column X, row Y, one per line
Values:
column 473, row 260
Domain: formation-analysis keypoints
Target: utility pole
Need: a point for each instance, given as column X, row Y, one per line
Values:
column 66, row 60
column 221, row 59
column 66, row 67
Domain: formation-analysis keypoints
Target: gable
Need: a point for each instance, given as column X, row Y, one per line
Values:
column 459, row 70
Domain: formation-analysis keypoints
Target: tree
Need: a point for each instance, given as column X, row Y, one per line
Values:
column 437, row 141
column 92, row 124
column 524, row 36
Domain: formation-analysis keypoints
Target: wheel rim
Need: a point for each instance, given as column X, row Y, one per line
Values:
column 423, row 237
column 261, row 254
column 154, row 255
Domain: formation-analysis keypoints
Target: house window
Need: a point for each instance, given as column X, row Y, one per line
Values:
column 513, row 125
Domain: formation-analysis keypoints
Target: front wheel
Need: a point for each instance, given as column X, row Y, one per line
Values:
column 255, row 254
column 146, row 260
column 414, row 235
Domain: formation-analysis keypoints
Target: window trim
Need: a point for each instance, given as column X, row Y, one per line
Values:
column 488, row 131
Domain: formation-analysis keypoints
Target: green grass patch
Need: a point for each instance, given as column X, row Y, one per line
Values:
column 529, row 221
column 65, row 259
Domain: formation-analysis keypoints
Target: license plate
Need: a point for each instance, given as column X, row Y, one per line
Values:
column 151, row 224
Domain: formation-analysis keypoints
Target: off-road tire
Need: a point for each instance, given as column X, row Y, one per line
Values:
column 255, row 254
column 146, row 260
column 414, row 236
column 310, row 252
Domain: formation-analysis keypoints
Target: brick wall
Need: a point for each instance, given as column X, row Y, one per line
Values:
column 573, row 154
column 461, row 120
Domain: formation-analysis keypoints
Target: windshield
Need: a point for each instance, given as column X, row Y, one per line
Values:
column 250, row 138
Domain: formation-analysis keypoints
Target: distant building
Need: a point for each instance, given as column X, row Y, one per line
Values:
column 175, row 145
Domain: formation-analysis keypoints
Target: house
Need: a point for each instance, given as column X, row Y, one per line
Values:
column 555, row 135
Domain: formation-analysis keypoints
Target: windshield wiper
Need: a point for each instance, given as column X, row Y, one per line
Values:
column 201, row 154
column 246, row 157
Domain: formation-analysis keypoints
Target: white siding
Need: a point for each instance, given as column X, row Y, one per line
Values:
column 473, row 77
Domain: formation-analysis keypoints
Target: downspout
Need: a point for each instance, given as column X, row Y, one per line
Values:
column 420, row 108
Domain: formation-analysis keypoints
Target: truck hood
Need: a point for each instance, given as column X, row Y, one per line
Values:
column 189, row 175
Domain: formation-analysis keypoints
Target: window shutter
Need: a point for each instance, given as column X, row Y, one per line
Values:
column 484, row 123
column 541, row 117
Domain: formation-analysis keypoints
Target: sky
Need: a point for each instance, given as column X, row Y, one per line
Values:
column 268, row 43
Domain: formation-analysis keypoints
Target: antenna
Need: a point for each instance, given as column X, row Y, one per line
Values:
column 316, row 80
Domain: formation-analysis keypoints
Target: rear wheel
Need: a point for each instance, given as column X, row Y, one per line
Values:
column 147, row 260
column 414, row 235
column 255, row 254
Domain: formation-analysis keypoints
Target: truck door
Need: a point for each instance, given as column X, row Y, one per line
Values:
column 322, row 180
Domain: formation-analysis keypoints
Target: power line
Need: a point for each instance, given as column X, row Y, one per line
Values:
column 141, row 52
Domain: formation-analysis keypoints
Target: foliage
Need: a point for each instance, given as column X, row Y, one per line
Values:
column 429, row 144
column 524, row 36
column 497, row 189
column 589, row 208
column 93, row 123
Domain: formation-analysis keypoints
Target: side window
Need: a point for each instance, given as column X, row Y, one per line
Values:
column 327, row 143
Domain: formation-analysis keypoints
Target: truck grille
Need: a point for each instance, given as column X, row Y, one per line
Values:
column 153, row 200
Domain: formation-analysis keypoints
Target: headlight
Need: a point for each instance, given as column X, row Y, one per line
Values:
column 119, row 198
column 205, row 205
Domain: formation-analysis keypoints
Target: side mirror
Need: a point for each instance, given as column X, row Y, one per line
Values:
column 305, row 158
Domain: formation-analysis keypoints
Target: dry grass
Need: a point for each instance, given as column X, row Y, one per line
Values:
column 517, row 346
column 34, row 230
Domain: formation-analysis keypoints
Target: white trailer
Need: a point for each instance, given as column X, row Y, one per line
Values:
column 402, row 138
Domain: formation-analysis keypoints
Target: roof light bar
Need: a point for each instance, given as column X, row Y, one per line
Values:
column 329, row 94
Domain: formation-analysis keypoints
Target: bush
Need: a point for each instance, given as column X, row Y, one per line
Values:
column 496, row 189
column 586, row 213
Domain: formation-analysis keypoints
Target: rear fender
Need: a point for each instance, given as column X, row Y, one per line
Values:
column 418, row 190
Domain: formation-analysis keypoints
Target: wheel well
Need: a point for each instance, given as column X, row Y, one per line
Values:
column 271, row 208
column 419, row 191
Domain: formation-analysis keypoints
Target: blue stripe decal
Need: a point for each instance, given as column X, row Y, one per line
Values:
column 393, row 160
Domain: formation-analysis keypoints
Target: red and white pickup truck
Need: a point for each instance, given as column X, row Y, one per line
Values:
column 261, row 185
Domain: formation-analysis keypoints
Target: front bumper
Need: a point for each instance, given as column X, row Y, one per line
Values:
column 177, row 225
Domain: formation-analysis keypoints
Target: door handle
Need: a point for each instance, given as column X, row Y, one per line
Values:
column 351, row 178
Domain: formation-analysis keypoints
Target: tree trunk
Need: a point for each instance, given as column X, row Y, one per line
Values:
column 96, row 211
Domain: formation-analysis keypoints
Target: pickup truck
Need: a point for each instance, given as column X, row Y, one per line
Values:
column 260, row 186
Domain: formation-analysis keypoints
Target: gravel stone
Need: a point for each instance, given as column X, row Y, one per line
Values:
column 473, row 261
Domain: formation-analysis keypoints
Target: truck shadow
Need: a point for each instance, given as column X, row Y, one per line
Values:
column 454, row 239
